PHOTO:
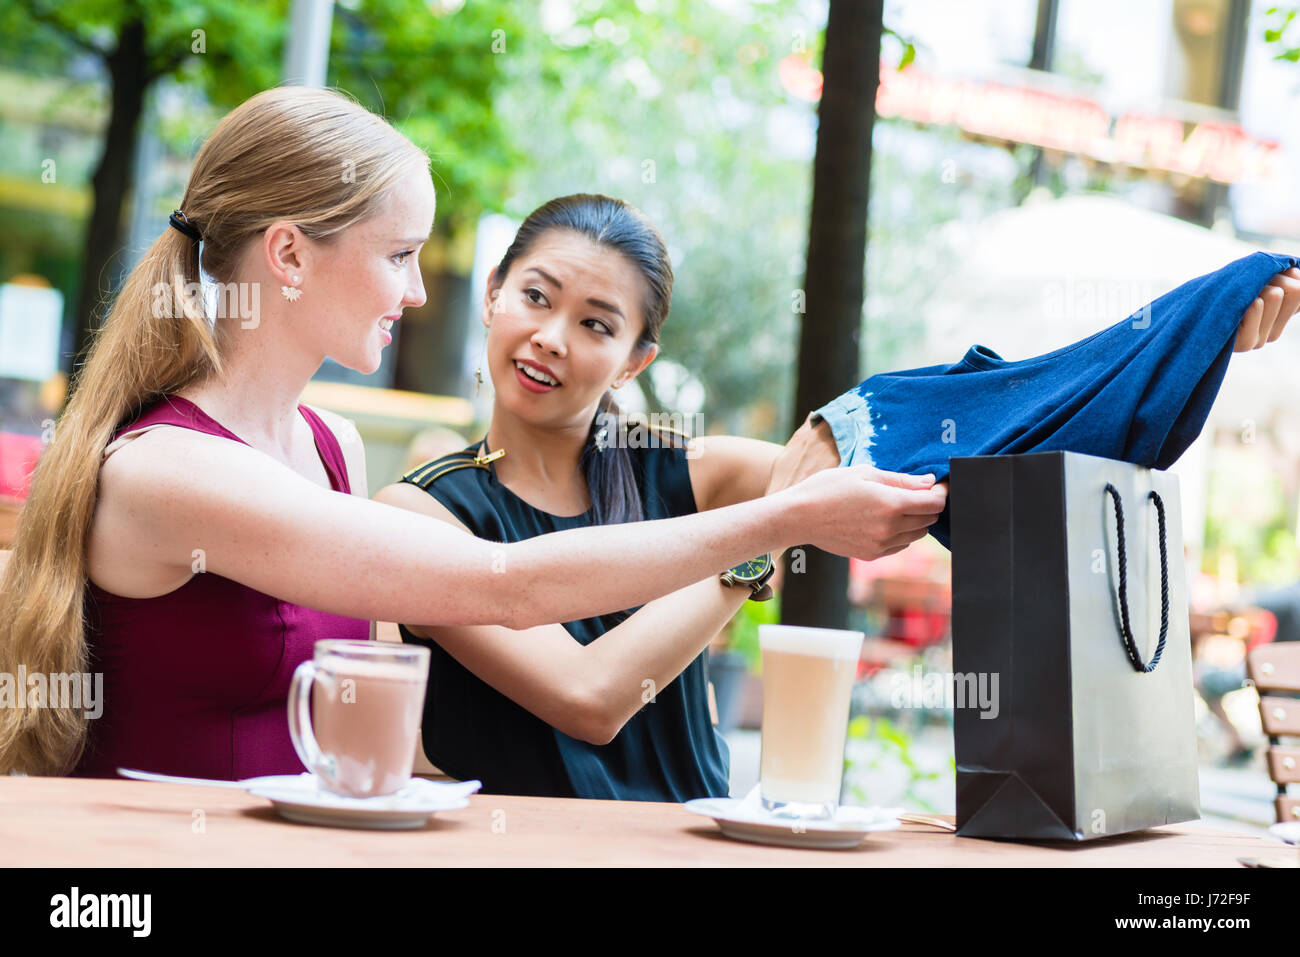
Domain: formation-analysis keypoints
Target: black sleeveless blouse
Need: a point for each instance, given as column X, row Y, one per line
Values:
column 667, row 751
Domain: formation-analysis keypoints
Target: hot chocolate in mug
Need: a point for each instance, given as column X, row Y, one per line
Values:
column 354, row 714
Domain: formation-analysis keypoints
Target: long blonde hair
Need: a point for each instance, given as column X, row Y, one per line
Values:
column 309, row 156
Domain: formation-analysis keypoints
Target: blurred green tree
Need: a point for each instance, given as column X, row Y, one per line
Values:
column 680, row 108
column 705, row 118
column 700, row 114
column 136, row 44
column 1249, row 517
column 432, row 73
column 1282, row 31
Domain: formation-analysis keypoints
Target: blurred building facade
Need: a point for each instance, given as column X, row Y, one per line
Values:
column 1177, row 105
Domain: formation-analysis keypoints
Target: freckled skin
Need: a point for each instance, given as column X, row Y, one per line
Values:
column 356, row 280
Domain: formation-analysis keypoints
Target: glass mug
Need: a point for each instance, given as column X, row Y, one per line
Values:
column 354, row 714
column 807, row 685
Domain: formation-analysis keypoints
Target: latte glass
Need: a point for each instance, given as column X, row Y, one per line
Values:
column 807, row 683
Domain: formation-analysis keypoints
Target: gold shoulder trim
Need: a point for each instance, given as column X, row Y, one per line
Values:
column 669, row 428
column 685, row 437
column 424, row 475
column 414, row 474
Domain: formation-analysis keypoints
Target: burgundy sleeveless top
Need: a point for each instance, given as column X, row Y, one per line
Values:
column 196, row 681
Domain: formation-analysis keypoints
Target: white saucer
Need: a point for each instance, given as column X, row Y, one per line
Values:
column 1288, row 831
column 748, row 820
column 300, row 798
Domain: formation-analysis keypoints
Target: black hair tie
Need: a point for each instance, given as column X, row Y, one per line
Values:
column 178, row 220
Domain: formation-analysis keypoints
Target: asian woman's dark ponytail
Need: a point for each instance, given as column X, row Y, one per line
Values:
column 607, row 467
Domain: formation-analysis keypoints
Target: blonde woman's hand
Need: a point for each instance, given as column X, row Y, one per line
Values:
column 867, row 513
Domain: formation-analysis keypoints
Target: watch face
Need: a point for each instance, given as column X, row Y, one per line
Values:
column 753, row 569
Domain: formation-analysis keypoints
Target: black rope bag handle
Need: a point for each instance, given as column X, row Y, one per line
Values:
column 1130, row 646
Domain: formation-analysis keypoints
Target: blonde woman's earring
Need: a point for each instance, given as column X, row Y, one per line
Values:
column 292, row 293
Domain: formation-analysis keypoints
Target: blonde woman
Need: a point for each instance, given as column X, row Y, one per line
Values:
column 192, row 529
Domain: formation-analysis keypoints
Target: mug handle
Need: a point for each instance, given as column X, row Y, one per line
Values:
column 304, row 741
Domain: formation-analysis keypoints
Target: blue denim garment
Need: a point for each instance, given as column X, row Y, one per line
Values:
column 1137, row 392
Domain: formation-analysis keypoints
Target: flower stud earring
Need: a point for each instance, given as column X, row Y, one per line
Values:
column 292, row 293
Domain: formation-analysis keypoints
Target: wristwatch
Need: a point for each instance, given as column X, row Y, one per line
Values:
column 755, row 574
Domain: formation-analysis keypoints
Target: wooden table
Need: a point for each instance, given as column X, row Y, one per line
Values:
column 69, row 822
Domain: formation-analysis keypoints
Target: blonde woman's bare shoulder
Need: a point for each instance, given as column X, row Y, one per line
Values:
column 344, row 429
column 353, row 448
column 125, row 554
column 175, row 493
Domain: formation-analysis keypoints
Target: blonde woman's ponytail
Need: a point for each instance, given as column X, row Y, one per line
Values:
column 275, row 157
column 156, row 340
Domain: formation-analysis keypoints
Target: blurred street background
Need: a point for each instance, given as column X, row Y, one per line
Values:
column 1038, row 169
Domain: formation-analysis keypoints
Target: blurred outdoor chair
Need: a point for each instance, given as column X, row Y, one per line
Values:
column 1275, row 671
column 1251, row 625
column 916, row 613
column 1221, row 640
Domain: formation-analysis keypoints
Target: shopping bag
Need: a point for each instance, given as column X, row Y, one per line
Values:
column 1069, row 598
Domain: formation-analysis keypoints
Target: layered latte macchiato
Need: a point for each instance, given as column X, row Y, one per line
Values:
column 807, row 682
